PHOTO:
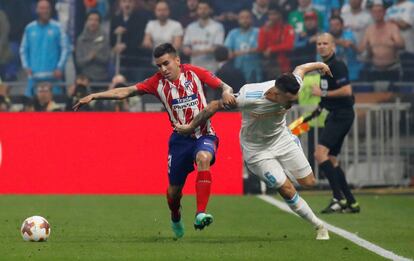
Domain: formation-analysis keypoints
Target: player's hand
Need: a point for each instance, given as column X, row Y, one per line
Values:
column 325, row 70
column 228, row 99
column 184, row 129
column 83, row 101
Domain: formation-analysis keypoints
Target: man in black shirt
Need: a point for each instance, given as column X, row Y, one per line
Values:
column 336, row 97
column 129, row 24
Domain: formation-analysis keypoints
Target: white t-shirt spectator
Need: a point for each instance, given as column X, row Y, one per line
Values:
column 163, row 33
column 357, row 23
column 200, row 38
column 404, row 11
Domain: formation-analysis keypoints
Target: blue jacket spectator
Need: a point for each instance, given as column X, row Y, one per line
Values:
column 44, row 49
column 242, row 43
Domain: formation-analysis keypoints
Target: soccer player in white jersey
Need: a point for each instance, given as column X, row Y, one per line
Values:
column 180, row 88
column 269, row 149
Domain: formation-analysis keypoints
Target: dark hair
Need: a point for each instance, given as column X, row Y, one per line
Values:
column 337, row 17
column 221, row 53
column 94, row 12
column 287, row 83
column 164, row 48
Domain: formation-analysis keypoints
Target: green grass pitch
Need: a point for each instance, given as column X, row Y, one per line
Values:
column 245, row 228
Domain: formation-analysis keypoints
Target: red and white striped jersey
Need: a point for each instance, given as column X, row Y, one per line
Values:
column 184, row 98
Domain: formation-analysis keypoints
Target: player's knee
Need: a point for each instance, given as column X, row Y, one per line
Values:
column 174, row 191
column 203, row 159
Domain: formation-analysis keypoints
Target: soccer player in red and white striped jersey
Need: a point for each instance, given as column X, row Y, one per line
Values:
column 180, row 88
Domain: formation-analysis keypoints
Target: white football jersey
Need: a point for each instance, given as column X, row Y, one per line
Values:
column 263, row 121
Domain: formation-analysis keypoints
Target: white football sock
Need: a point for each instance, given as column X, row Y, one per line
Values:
column 300, row 207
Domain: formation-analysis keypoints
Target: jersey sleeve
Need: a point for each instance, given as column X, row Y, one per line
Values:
column 149, row 85
column 206, row 76
column 342, row 75
column 240, row 98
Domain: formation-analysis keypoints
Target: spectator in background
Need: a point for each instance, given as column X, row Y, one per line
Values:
column 305, row 42
column 77, row 91
column 227, row 72
column 92, row 49
column 201, row 38
column 242, row 44
column 296, row 19
column 28, row 105
column 226, row 12
column 5, row 53
column 259, row 12
column 276, row 39
column 346, row 47
column 44, row 98
column 44, row 50
column 382, row 40
column 163, row 29
column 401, row 13
column 286, row 6
column 327, row 8
column 190, row 13
column 15, row 8
column 346, row 6
column 129, row 27
column 356, row 19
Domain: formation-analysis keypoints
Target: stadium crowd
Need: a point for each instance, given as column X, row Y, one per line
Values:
column 64, row 49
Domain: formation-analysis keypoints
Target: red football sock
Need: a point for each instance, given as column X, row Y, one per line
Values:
column 203, row 185
column 174, row 205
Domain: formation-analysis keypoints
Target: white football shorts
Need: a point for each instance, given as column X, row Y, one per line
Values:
column 277, row 160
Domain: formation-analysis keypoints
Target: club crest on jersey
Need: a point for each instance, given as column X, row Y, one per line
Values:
column 185, row 102
column 187, row 84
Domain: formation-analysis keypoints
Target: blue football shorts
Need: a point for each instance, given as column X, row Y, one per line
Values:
column 182, row 151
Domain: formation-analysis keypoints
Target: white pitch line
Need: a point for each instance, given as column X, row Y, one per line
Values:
column 341, row 232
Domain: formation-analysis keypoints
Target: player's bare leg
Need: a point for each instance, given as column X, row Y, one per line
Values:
column 203, row 188
column 174, row 194
column 300, row 207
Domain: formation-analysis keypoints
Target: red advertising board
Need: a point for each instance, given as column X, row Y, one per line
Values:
column 103, row 153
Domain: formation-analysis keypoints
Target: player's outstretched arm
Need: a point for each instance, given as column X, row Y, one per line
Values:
column 301, row 70
column 201, row 117
column 114, row 94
